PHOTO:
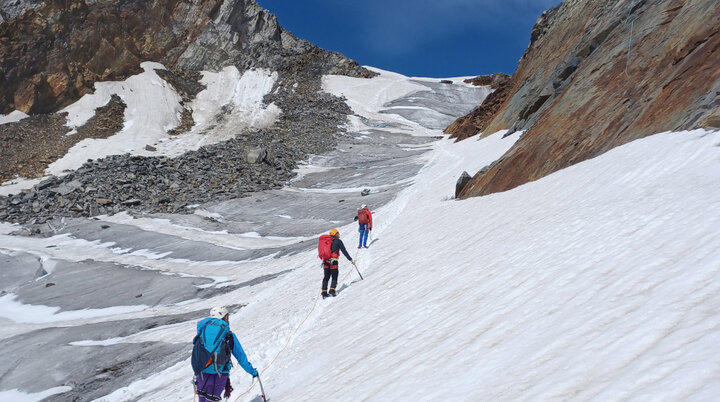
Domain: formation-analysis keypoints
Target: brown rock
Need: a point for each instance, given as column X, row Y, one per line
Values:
column 75, row 43
column 580, row 91
column 495, row 81
column 712, row 121
column 25, row 96
column 59, row 83
column 103, row 201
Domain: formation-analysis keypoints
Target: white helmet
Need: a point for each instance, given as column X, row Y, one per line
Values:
column 218, row 312
column 363, row 206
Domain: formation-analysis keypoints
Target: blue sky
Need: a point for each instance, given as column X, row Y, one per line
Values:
column 429, row 38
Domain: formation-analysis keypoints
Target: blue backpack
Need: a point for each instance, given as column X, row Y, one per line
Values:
column 212, row 346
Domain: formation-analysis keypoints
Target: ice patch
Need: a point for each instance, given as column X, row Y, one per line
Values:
column 18, row 312
column 104, row 342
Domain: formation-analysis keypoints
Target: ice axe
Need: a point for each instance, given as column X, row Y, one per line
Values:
column 262, row 390
column 358, row 271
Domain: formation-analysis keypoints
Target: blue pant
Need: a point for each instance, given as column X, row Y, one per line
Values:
column 364, row 232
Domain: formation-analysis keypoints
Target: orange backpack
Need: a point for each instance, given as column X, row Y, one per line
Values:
column 363, row 216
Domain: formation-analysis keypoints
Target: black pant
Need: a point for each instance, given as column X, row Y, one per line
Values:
column 328, row 273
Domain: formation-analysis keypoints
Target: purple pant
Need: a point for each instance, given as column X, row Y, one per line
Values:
column 211, row 384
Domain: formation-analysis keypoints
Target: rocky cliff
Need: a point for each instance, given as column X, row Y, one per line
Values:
column 599, row 74
column 52, row 52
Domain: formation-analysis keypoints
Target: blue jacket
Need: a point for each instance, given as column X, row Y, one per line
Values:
column 237, row 351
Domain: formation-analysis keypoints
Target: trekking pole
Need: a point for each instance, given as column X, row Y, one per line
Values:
column 262, row 390
column 358, row 271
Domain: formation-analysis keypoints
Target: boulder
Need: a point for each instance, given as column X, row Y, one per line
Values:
column 462, row 181
column 255, row 155
column 132, row 202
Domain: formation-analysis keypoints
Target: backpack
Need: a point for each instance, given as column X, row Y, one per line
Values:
column 363, row 216
column 325, row 247
column 212, row 346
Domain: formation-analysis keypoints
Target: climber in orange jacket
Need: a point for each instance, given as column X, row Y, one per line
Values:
column 364, row 219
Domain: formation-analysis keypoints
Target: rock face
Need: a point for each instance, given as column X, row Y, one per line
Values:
column 474, row 122
column 600, row 74
column 52, row 52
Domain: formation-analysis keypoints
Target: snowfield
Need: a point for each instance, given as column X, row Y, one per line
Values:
column 598, row 282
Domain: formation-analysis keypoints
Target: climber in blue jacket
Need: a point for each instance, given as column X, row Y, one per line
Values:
column 214, row 365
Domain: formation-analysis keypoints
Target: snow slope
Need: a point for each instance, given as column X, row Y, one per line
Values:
column 599, row 282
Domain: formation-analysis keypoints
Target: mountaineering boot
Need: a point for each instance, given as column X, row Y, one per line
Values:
column 324, row 294
column 332, row 292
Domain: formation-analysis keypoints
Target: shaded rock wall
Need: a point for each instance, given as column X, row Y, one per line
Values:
column 52, row 52
column 599, row 74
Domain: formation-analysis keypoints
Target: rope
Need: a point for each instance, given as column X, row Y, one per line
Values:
column 287, row 342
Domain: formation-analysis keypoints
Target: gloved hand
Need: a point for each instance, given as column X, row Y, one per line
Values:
column 254, row 372
column 228, row 389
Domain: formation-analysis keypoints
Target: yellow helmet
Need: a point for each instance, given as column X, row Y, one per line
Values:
column 334, row 232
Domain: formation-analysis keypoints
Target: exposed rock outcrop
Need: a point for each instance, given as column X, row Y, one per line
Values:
column 494, row 81
column 475, row 122
column 28, row 146
column 52, row 52
column 600, row 74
